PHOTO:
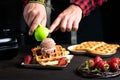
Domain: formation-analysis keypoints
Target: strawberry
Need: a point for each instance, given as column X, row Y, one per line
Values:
column 97, row 59
column 62, row 61
column 27, row 59
column 33, row 50
column 91, row 63
column 114, row 66
column 114, row 60
column 102, row 65
column 114, row 63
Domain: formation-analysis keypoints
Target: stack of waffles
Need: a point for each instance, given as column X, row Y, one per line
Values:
column 97, row 47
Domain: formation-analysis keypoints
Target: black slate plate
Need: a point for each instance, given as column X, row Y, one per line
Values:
column 89, row 74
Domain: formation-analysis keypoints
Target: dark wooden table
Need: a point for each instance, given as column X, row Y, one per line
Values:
column 11, row 69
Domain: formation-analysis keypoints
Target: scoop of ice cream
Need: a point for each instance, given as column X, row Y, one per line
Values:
column 47, row 46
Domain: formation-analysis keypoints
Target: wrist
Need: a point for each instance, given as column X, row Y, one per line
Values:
column 43, row 2
column 38, row 1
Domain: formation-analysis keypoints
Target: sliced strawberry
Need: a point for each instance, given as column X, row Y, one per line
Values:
column 62, row 61
column 27, row 59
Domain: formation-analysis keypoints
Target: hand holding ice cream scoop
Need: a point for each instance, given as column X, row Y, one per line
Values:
column 41, row 33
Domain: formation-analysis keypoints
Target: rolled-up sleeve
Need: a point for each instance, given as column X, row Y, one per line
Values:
column 88, row 5
column 26, row 1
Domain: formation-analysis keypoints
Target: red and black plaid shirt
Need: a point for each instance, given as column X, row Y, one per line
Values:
column 86, row 5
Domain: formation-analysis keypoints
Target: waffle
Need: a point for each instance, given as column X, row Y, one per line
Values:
column 97, row 47
column 106, row 49
column 51, row 58
column 89, row 45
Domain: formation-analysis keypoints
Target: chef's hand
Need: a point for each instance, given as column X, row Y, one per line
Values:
column 68, row 20
column 34, row 14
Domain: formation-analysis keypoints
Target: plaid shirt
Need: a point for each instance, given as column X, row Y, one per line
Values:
column 25, row 2
column 86, row 5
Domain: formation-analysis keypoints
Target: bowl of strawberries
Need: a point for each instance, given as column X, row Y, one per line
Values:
column 99, row 68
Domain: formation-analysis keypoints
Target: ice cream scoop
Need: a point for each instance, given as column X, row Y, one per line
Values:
column 48, row 46
column 41, row 33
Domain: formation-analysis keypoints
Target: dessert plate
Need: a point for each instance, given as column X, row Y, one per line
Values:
column 41, row 66
column 79, row 52
column 101, row 55
column 33, row 65
column 89, row 74
column 72, row 50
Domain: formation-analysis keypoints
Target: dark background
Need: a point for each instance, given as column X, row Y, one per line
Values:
column 105, row 20
column 10, row 18
column 111, row 15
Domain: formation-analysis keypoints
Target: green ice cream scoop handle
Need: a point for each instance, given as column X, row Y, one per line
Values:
column 41, row 33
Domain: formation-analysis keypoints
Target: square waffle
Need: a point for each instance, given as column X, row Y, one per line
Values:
column 98, row 47
column 51, row 58
column 89, row 45
column 106, row 49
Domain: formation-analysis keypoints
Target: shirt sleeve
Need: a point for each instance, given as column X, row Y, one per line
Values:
column 87, row 5
column 24, row 2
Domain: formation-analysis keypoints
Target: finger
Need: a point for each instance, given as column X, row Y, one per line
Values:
column 44, row 21
column 54, row 24
column 31, row 17
column 34, row 24
column 63, row 24
column 75, row 25
column 25, row 17
column 56, row 28
column 69, row 25
column 26, row 14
